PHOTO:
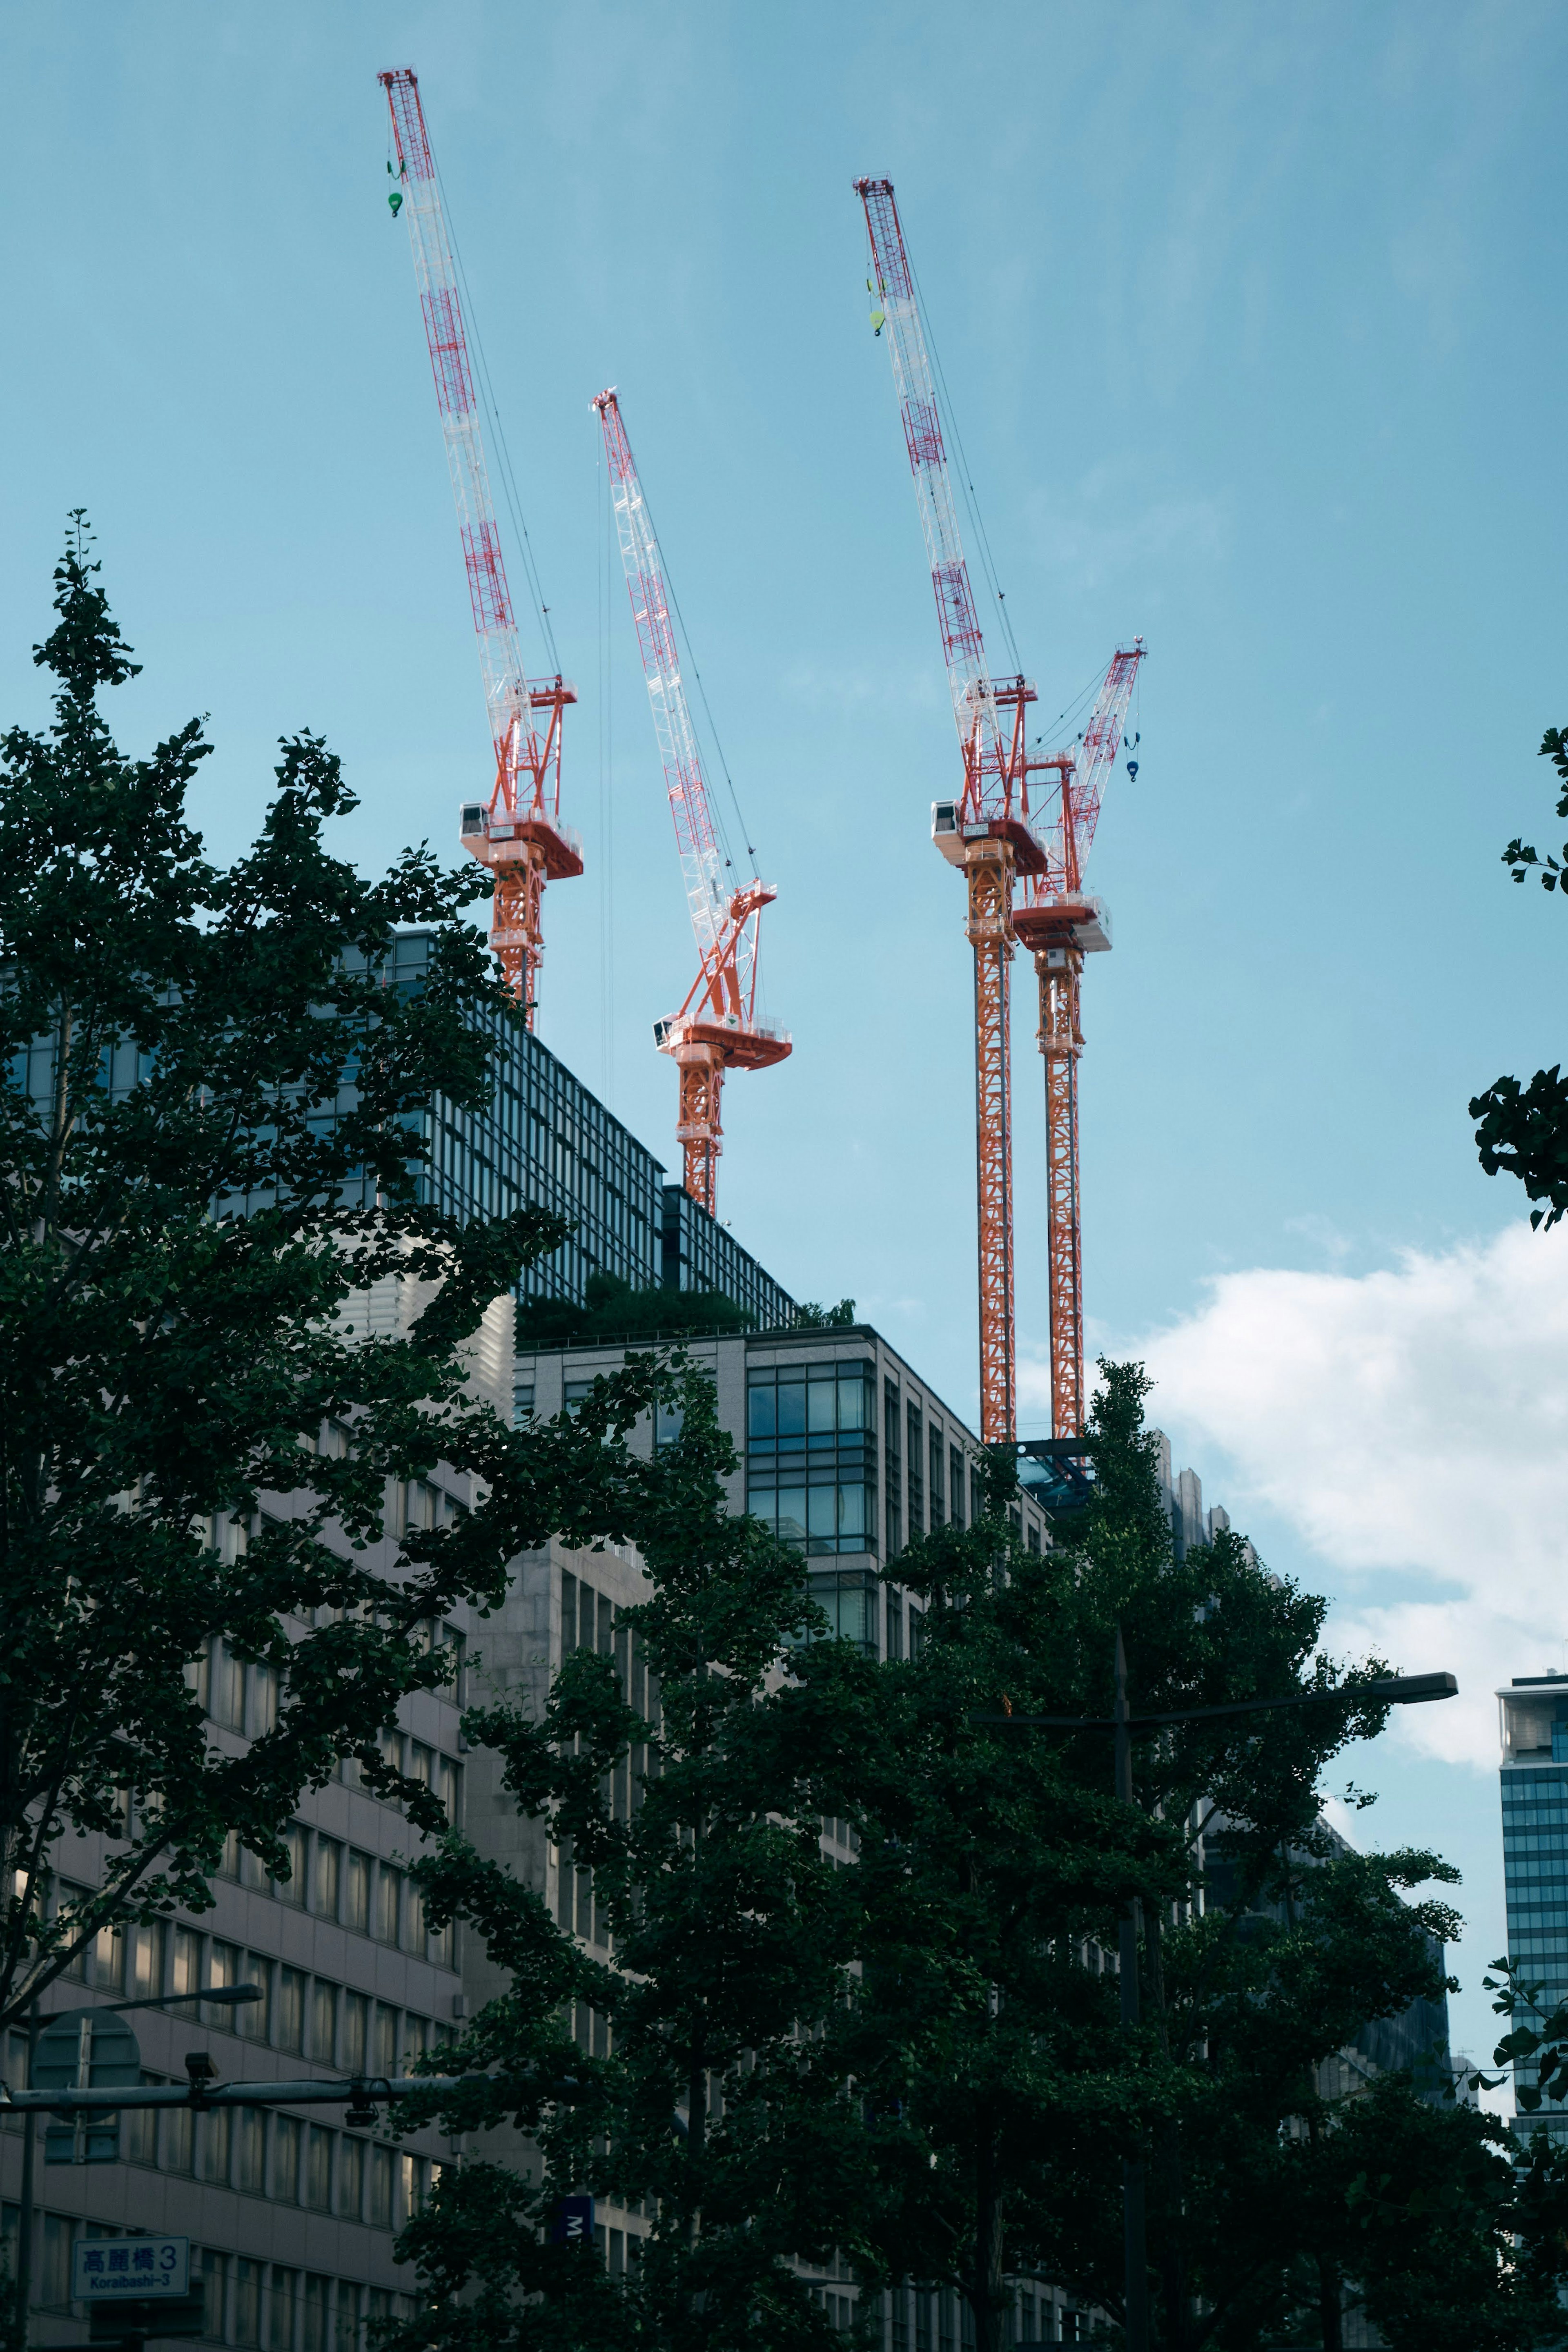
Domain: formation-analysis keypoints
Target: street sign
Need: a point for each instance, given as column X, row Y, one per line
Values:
column 573, row 2222
column 85, row 2048
column 107, row 2269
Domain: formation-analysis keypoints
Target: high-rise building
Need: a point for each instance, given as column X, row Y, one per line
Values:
column 1534, row 1773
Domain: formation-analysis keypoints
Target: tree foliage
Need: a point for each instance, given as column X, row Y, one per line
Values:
column 917, row 2064
column 1523, row 1130
column 210, row 1147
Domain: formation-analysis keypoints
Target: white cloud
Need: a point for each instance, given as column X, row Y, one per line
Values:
column 1408, row 1424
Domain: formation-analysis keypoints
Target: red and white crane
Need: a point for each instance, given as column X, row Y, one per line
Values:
column 1023, row 872
column 517, row 833
column 985, row 833
column 717, row 1028
column 1059, row 923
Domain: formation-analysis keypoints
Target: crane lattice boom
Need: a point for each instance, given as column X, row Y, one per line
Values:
column 518, row 835
column 717, row 1027
column 985, row 833
column 1055, row 920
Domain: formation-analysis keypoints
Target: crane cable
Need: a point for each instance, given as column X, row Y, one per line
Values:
column 509, row 478
column 698, row 676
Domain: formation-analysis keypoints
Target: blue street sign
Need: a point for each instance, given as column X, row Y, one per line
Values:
column 146, row 2268
column 573, row 2222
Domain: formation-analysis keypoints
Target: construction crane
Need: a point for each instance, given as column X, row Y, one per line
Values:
column 1060, row 924
column 516, row 834
column 717, row 1028
column 987, row 832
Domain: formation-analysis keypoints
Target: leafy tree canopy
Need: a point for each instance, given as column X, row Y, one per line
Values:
column 210, row 1147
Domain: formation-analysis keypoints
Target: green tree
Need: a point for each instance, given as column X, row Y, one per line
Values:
column 996, row 1865
column 209, row 1146
column 731, row 1934
column 1523, row 1130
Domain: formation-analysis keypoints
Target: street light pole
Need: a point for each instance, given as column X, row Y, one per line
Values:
column 1396, row 1690
column 228, row 1996
column 1134, row 2222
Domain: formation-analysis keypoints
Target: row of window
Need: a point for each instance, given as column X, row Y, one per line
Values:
column 262, row 2152
column 296, row 2012
column 941, row 2321
column 334, row 1882
column 266, row 2306
column 241, row 1695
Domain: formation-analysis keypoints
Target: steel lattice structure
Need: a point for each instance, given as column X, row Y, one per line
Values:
column 717, row 1027
column 1053, row 919
column 985, row 833
column 518, row 835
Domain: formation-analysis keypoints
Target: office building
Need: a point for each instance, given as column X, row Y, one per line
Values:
column 1534, row 1775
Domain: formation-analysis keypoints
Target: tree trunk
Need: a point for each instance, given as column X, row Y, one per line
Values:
column 986, row 2293
column 1331, row 2304
column 1171, row 2259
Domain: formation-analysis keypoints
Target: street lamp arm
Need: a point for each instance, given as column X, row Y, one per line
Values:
column 1396, row 1690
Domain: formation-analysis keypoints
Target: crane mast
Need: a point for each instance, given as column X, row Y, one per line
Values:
column 1059, row 924
column 717, row 1027
column 985, row 833
column 517, row 834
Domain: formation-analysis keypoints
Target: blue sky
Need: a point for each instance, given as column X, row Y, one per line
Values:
column 1252, row 324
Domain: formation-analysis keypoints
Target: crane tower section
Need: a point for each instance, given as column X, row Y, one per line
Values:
column 517, row 833
column 717, row 1028
column 985, row 833
column 1060, row 924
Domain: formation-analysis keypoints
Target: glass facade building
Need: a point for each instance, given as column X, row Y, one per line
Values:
column 1534, row 1709
column 545, row 1138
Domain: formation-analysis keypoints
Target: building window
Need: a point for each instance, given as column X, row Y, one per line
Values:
column 352, row 2179
column 329, row 1877
column 938, row 1504
column 292, row 1888
column 356, row 2033
column 850, row 1603
column 147, row 1942
column 177, row 2139
column 318, row 2169
column 223, row 1969
column 228, row 1687
column 282, row 2295
column 357, row 1911
column 217, row 2143
column 291, row 2017
column 323, row 2021
column 386, row 2040
column 247, row 2302
column 256, row 2018
column 313, row 2333
column 252, row 2131
column 956, row 1484
column 916, row 1473
column 894, row 1624
column 108, row 1960
column 263, row 1700
column 389, row 1892
column 380, row 2212
column 811, row 1454
column 187, row 1973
